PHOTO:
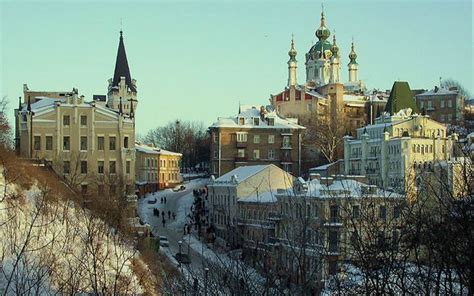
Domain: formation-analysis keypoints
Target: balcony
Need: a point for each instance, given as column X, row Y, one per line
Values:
column 274, row 216
column 286, row 146
column 333, row 222
column 241, row 159
column 241, row 144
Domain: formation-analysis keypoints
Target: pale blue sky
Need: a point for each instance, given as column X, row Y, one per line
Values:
column 197, row 60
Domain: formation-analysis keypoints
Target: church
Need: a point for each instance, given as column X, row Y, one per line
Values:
column 324, row 93
column 88, row 142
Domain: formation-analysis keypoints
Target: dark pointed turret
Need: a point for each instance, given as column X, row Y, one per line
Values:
column 400, row 98
column 121, row 66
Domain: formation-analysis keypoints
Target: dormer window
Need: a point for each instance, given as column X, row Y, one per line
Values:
column 256, row 121
column 271, row 121
column 241, row 121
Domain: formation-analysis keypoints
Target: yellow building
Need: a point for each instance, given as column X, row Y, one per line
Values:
column 156, row 168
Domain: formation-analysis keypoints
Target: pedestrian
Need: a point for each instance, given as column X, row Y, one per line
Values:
column 163, row 214
column 163, row 221
column 184, row 228
column 161, row 200
column 174, row 216
column 169, row 214
column 165, row 199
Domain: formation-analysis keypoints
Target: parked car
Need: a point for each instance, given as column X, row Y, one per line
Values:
column 183, row 258
column 179, row 188
column 164, row 242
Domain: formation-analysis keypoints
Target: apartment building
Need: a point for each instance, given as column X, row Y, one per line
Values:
column 256, row 136
column 445, row 105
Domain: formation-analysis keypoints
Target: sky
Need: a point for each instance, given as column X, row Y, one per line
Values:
column 197, row 60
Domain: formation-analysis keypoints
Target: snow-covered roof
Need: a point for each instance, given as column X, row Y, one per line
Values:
column 43, row 102
column 154, row 150
column 250, row 112
column 261, row 197
column 240, row 174
column 439, row 91
column 341, row 188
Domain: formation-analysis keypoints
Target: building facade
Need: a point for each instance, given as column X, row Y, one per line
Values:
column 88, row 143
column 257, row 135
column 239, row 187
column 443, row 105
column 156, row 168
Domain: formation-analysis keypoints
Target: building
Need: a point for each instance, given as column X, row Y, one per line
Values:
column 236, row 188
column 399, row 145
column 156, row 168
column 257, row 135
column 445, row 105
column 324, row 93
column 316, row 224
column 90, row 144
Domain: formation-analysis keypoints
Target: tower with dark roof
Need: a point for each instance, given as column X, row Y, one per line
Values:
column 400, row 98
column 122, row 90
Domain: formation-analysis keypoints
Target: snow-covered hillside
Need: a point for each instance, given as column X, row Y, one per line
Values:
column 50, row 245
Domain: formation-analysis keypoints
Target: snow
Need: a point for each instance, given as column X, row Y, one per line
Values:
column 154, row 150
column 242, row 173
column 263, row 197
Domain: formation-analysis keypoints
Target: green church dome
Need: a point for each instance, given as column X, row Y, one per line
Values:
column 315, row 51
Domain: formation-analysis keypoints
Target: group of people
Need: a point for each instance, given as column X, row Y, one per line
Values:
column 156, row 212
column 163, row 199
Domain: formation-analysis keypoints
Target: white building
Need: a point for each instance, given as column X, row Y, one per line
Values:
column 245, row 182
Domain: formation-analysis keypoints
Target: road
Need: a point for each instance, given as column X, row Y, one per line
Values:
column 179, row 203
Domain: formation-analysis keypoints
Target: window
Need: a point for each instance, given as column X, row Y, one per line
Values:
column 214, row 137
column 112, row 169
column 83, row 120
column 286, row 141
column 66, row 167
column 271, row 139
column 66, row 143
column 84, row 189
column 442, row 103
column 383, row 212
column 256, row 139
column 256, row 154
column 83, row 167
column 37, row 142
column 334, row 213
column 125, row 142
column 271, row 121
column 333, row 241
column 396, row 212
column 112, row 143
column 355, row 212
column 66, row 120
column 83, row 143
column 256, row 121
column 241, row 121
column 450, row 104
column 49, row 142
column 100, row 167
column 240, row 152
column 100, row 143
column 241, row 137
column 271, row 154
column 127, row 167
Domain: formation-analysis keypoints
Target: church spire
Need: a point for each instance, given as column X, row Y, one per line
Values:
column 323, row 32
column 292, row 64
column 121, row 66
column 353, row 66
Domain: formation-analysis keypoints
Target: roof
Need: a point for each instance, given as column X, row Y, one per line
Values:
column 438, row 91
column 262, row 197
column 240, row 174
column 400, row 98
column 341, row 188
column 251, row 112
column 121, row 66
column 42, row 102
column 154, row 150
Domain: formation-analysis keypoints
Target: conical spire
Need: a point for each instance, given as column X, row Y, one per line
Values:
column 322, row 32
column 334, row 48
column 121, row 66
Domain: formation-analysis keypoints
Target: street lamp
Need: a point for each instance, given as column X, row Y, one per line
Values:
column 179, row 260
column 206, row 272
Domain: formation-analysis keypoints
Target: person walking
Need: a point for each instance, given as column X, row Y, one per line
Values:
column 163, row 221
column 163, row 214
column 161, row 201
column 165, row 199
column 174, row 216
column 169, row 214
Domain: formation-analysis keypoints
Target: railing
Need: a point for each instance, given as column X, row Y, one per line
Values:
column 286, row 146
column 241, row 144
